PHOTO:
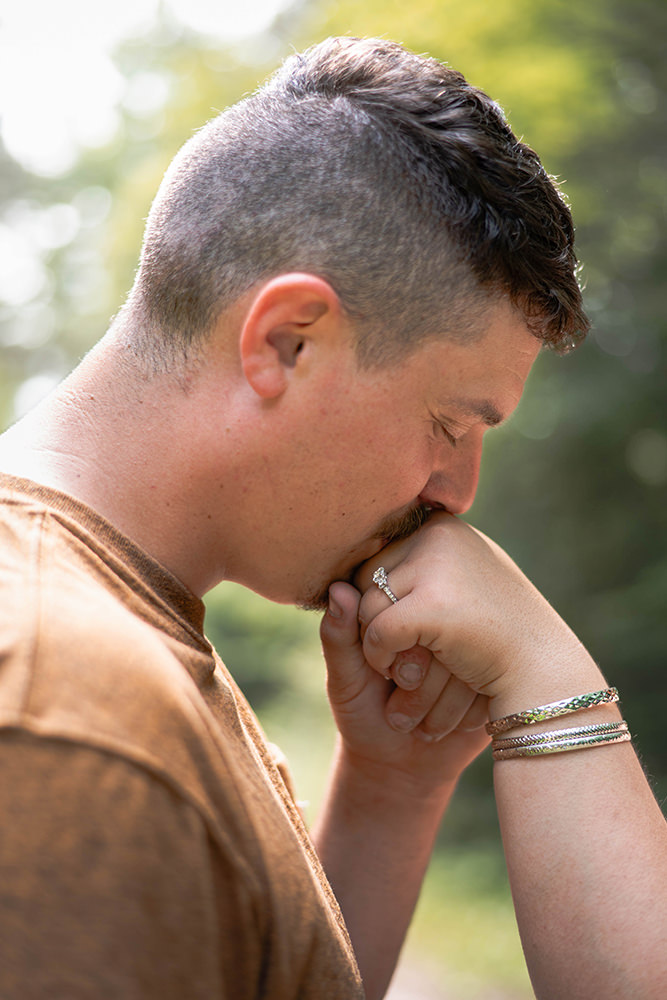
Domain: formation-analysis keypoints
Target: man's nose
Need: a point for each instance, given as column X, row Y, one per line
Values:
column 453, row 483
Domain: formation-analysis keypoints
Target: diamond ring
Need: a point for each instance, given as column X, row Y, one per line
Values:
column 380, row 580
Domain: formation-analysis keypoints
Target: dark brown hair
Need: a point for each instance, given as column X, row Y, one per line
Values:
column 385, row 173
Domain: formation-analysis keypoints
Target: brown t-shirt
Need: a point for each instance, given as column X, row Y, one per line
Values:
column 149, row 847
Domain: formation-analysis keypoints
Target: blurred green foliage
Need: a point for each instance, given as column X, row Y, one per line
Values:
column 272, row 647
column 466, row 918
column 574, row 487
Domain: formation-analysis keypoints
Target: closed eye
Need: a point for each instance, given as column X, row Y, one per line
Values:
column 442, row 431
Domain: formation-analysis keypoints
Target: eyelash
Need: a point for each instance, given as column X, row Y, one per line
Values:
column 448, row 435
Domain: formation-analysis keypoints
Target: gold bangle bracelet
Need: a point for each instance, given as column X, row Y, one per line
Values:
column 552, row 710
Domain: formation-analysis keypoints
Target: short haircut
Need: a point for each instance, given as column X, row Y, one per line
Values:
column 381, row 171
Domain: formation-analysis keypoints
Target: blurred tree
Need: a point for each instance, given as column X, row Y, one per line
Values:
column 69, row 244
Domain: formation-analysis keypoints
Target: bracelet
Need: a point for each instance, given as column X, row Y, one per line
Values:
column 561, row 740
column 561, row 747
column 551, row 711
column 532, row 739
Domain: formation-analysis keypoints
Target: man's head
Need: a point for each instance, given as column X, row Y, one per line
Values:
column 382, row 172
column 344, row 283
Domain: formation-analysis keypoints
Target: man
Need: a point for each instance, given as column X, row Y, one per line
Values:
column 344, row 282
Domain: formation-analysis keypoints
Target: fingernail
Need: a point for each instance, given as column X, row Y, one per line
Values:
column 403, row 723
column 334, row 608
column 430, row 737
column 410, row 673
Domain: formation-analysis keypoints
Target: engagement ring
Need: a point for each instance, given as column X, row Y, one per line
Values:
column 380, row 580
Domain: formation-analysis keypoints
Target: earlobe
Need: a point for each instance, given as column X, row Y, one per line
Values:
column 266, row 360
column 287, row 316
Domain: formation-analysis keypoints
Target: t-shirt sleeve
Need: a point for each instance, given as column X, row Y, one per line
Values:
column 111, row 885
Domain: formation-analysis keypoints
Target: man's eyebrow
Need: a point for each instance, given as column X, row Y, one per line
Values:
column 482, row 408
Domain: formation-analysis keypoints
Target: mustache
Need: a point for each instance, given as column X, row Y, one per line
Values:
column 403, row 525
column 392, row 530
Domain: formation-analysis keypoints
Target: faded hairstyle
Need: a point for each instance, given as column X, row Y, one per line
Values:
column 383, row 172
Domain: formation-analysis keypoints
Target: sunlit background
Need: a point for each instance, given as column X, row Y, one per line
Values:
column 95, row 98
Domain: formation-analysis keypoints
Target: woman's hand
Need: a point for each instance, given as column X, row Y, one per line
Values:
column 461, row 598
column 427, row 731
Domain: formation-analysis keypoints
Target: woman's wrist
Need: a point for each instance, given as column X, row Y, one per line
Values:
column 548, row 673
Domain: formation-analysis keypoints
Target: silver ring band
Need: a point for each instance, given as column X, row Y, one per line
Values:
column 380, row 580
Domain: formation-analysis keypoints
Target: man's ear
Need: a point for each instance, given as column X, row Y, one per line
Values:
column 287, row 315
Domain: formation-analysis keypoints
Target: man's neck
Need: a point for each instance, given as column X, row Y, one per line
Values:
column 126, row 446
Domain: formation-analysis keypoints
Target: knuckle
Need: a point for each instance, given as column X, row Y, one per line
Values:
column 435, row 730
column 370, row 605
column 412, row 703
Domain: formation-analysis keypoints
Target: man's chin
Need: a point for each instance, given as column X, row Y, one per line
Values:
column 318, row 600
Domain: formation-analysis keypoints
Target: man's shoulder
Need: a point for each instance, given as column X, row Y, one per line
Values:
column 79, row 652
